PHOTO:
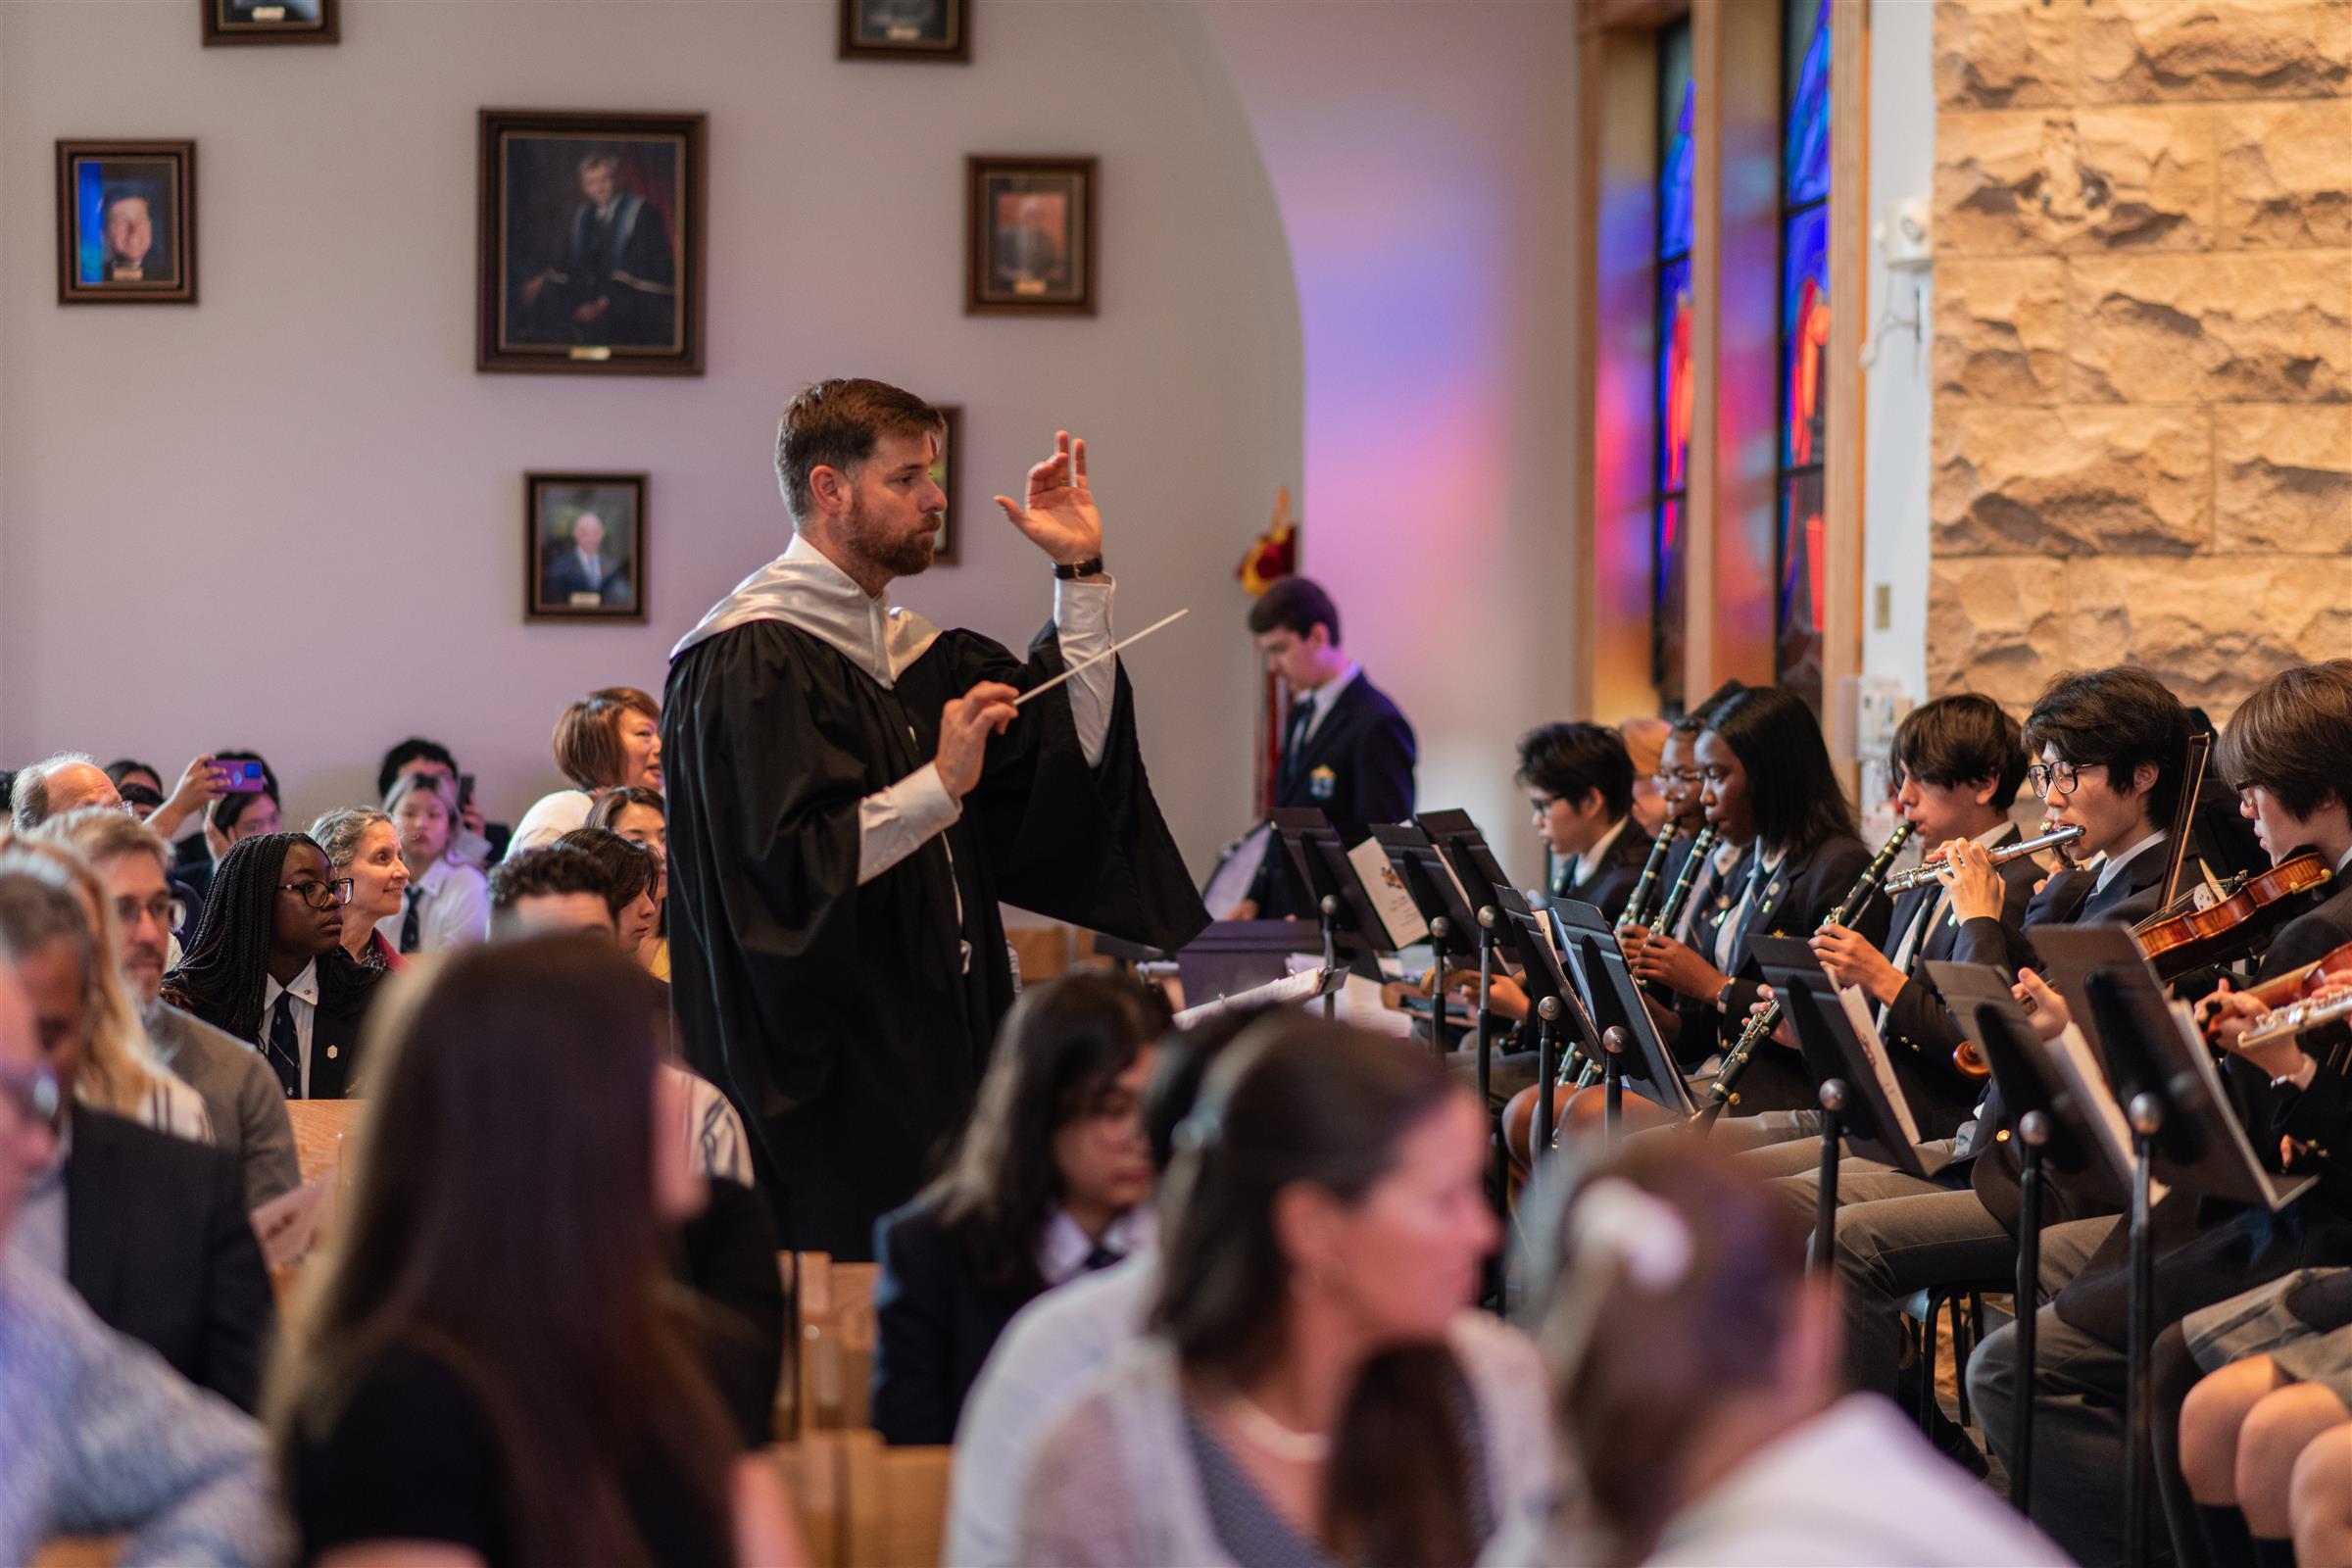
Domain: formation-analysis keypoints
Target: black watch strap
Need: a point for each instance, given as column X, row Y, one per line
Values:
column 1079, row 568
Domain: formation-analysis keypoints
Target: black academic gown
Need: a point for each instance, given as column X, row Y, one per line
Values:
column 850, row 1024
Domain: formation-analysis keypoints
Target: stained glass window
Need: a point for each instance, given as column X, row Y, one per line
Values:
column 1672, row 414
column 1804, row 342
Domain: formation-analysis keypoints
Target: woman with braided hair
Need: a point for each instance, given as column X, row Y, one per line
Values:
column 266, row 963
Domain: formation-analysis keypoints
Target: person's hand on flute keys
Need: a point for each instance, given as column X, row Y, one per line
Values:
column 964, row 726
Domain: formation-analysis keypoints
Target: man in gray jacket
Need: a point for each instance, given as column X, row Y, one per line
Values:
column 248, row 1110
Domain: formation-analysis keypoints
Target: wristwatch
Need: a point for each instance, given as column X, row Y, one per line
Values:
column 1079, row 568
column 1723, row 998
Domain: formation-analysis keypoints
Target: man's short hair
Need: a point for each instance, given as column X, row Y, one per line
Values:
column 100, row 835
column 627, row 866
column 548, row 872
column 836, row 423
column 600, row 160
column 1296, row 604
column 1570, row 761
column 2116, row 719
column 2294, row 736
column 1960, row 740
column 416, row 749
column 29, row 794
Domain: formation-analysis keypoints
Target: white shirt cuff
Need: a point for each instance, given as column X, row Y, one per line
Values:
column 1082, row 625
column 894, row 823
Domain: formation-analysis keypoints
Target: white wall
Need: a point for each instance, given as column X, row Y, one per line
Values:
column 1423, row 158
column 1898, row 463
column 287, row 517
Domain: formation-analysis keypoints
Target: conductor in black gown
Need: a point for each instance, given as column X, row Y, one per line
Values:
column 853, row 792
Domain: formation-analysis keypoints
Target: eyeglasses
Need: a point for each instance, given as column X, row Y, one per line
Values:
column 163, row 909
column 32, row 1091
column 1682, row 775
column 2054, row 777
column 320, row 894
column 1542, row 805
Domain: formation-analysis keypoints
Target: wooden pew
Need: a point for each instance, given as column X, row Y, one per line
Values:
column 833, row 1348
column 862, row 1505
column 80, row 1551
column 319, row 1129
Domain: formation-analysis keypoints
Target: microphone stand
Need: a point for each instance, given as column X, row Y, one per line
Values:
column 2146, row 1113
column 1613, row 1040
column 1328, row 913
column 1824, row 1194
column 1547, row 1070
column 2032, row 1132
column 1441, row 930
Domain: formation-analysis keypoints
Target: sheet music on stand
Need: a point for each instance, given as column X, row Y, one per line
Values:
column 1590, row 943
column 1237, row 871
column 1839, row 1039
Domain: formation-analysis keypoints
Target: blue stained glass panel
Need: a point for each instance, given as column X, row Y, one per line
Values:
column 1806, row 172
column 1666, row 597
column 1676, row 103
column 1805, row 336
column 1674, row 376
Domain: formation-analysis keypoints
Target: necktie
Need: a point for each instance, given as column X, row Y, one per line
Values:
column 411, row 923
column 1293, row 739
column 1100, row 1257
column 285, row 1045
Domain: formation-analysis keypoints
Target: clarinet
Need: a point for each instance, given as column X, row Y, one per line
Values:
column 1647, row 884
column 1677, row 897
column 1725, row 1090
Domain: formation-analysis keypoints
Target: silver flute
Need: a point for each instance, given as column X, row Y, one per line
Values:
column 1927, row 870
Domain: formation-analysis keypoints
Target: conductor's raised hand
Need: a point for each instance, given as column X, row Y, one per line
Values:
column 964, row 726
column 1059, row 515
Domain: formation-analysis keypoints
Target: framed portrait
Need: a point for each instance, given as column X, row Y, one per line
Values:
column 127, row 222
column 233, row 22
column 583, row 537
column 947, row 541
column 590, row 243
column 905, row 29
column 1030, row 236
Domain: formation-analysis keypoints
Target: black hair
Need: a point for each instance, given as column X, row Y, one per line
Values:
column 2294, row 736
column 1185, row 1058
column 1296, row 604
column 222, row 976
column 627, row 867
column 123, row 767
column 1062, row 1044
column 1695, row 719
column 416, row 749
column 547, row 870
column 1962, row 739
column 1792, row 789
column 2119, row 719
column 1570, row 761
column 226, row 811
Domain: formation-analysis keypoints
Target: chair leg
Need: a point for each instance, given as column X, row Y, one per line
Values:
column 1927, row 1367
column 1964, row 1330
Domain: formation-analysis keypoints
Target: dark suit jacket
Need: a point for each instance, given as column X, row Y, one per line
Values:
column 935, row 1323
column 158, row 1243
column 1613, row 883
column 727, row 1256
column 1356, row 769
column 336, row 1035
column 566, row 577
column 1919, row 1029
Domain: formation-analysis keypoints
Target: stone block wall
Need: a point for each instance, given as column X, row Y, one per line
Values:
column 2142, row 341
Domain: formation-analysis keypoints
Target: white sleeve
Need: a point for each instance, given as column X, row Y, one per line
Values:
column 894, row 823
column 1082, row 625
column 460, row 915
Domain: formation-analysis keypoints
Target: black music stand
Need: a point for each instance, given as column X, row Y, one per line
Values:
column 2183, row 1134
column 1553, row 1000
column 1614, row 997
column 2066, row 1121
column 1320, row 867
column 1464, row 850
column 1443, row 902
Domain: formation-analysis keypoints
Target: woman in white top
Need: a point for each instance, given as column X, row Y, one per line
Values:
column 57, row 927
column 1315, row 1388
column 362, row 845
column 606, row 740
column 448, row 903
column 1695, row 1372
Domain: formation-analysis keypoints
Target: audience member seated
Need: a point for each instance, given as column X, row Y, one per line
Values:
column 267, row 964
column 1315, row 1387
column 231, row 815
column 241, row 1097
column 89, row 1017
column 606, row 740
column 138, row 785
column 1045, row 1356
column 631, row 877
column 641, row 817
column 479, row 843
column 490, row 1361
column 8, row 796
column 1052, row 1179
column 1645, row 740
column 148, row 1227
column 103, row 1438
column 448, row 900
column 364, row 846
column 1696, row 1374
column 55, row 785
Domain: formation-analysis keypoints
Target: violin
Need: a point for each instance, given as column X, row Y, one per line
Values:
column 2177, row 941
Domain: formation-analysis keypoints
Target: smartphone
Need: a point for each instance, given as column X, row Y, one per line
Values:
column 242, row 778
column 464, row 792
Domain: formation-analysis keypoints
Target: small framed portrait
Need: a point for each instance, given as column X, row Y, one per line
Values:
column 127, row 222
column 1030, row 236
column 905, row 29
column 233, row 22
column 947, row 541
column 583, row 547
column 590, row 243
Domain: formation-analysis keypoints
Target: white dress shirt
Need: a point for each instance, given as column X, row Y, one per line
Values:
column 2115, row 862
column 1727, row 934
column 713, row 1132
column 453, row 908
column 1588, row 865
column 304, row 989
column 1062, row 1247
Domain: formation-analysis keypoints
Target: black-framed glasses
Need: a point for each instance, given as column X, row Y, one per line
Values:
column 320, row 894
column 1542, row 805
column 2060, row 777
column 32, row 1091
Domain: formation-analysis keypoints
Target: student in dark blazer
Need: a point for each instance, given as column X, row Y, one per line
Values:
column 1347, row 750
column 267, row 964
column 1053, row 1177
column 1580, row 784
column 158, row 1243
